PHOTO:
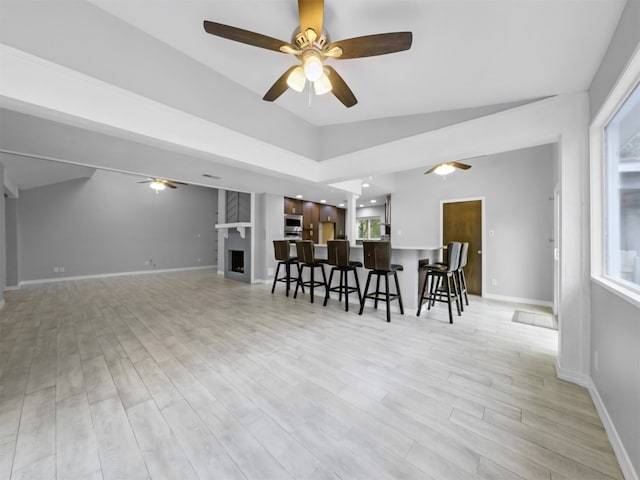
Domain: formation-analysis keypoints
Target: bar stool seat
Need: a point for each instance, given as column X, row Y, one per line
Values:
column 377, row 258
column 306, row 258
column 282, row 253
column 338, row 252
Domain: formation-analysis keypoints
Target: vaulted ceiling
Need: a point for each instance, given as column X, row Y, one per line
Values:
column 469, row 58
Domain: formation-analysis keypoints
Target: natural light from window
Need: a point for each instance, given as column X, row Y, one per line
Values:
column 369, row 228
column 622, row 193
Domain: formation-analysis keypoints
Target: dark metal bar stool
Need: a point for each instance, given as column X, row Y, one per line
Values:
column 377, row 258
column 282, row 253
column 306, row 257
column 338, row 256
column 462, row 282
column 443, row 281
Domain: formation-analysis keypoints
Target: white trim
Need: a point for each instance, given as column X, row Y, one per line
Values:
column 118, row 274
column 625, row 85
column 529, row 301
column 11, row 288
column 614, row 287
column 624, row 461
column 572, row 376
column 483, row 202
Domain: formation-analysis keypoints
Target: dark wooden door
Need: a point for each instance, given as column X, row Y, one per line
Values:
column 462, row 222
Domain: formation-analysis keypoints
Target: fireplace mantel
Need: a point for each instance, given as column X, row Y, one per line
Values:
column 241, row 226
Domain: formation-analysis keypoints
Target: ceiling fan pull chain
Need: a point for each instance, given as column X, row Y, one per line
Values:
column 310, row 94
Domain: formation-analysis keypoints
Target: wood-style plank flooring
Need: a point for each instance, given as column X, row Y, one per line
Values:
column 187, row 375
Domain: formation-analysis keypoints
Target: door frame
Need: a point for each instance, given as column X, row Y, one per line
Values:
column 483, row 233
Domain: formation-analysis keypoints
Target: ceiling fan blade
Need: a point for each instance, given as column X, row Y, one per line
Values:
column 169, row 184
column 432, row 169
column 146, row 181
column 244, row 36
column 279, row 87
column 462, row 166
column 340, row 88
column 372, row 45
column 311, row 15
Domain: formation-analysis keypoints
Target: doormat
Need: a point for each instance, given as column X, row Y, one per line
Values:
column 537, row 319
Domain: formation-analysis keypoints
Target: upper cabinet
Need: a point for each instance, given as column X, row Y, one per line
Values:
column 292, row 206
column 340, row 224
column 328, row 213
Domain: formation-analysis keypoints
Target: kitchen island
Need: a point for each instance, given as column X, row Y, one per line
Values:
column 409, row 278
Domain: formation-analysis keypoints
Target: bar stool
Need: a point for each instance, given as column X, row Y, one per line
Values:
column 306, row 257
column 377, row 258
column 282, row 253
column 462, row 282
column 443, row 286
column 338, row 256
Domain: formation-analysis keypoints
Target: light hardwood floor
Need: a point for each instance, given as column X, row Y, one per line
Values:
column 187, row 375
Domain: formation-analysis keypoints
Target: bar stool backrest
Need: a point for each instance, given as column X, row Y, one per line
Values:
column 281, row 250
column 463, row 255
column 453, row 252
column 338, row 252
column 377, row 255
column 305, row 251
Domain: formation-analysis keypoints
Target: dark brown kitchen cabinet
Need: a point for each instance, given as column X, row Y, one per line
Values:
column 328, row 213
column 310, row 221
column 292, row 206
column 341, row 224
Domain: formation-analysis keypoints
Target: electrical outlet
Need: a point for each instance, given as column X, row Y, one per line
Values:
column 56, row 269
column 494, row 281
column 146, row 263
column 61, row 269
column 270, row 272
column 199, row 260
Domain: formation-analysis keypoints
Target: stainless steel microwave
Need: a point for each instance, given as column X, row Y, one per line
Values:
column 293, row 226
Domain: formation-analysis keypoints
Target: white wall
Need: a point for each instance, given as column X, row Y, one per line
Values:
column 615, row 322
column 517, row 188
column 111, row 224
column 366, row 212
column 3, row 239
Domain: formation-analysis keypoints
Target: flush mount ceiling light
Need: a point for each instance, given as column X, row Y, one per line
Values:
column 447, row 168
column 365, row 185
column 299, row 196
column 310, row 44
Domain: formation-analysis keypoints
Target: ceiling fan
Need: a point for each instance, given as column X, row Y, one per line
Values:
column 447, row 167
column 310, row 44
column 160, row 183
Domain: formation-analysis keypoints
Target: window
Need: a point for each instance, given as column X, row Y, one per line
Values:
column 622, row 192
column 369, row 228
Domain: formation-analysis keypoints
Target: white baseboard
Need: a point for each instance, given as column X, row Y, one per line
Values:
column 572, row 376
column 621, row 453
column 618, row 448
column 528, row 301
column 117, row 274
column 11, row 288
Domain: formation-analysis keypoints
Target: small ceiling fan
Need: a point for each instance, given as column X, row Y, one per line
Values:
column 160, row 183
column 447, row 167
column 310, row 44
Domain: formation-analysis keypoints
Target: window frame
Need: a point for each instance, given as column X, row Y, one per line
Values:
column 619, row 94
column 374, row 217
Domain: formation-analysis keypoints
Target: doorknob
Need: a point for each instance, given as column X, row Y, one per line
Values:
column 479, row 252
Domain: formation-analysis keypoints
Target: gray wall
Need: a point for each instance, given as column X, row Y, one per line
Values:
column 111, row 224
column 3, row 239
column 624, row 42
column 615, row 323
column 12, row 242
column 517, row 187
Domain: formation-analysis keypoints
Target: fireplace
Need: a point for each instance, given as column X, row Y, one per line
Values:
column 236, row 261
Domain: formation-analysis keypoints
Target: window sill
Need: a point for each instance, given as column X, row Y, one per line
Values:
column 624, row 293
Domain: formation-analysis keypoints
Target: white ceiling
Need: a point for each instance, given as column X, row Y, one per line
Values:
column 465, row 54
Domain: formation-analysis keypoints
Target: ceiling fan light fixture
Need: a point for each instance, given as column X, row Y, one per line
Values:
column 322, row 85
column 157, row 185
column 444, row 169
column 297, row 79
column 313, row 68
